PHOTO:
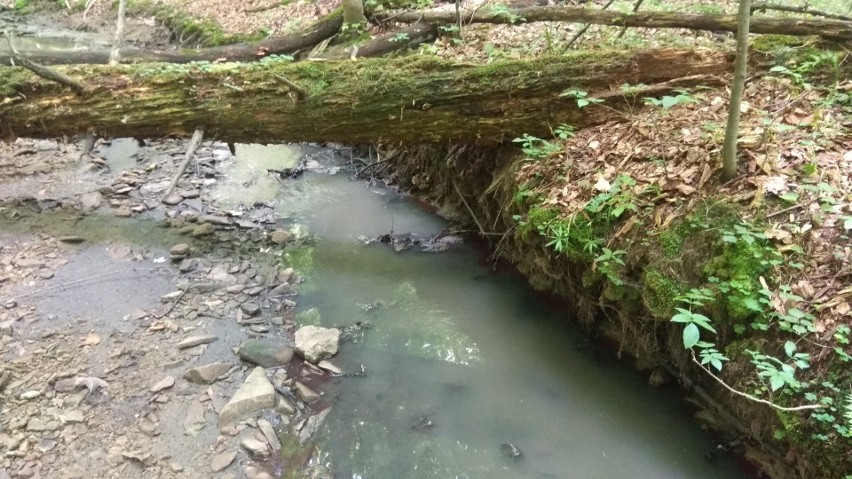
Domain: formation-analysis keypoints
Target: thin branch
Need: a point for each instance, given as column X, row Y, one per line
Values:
column 583, row 30
column 300, row 92
column 755, row 399
column 635, row 9
column 115, row 54
column 194, row 143
column 43, row 71
column 763, row 6
column 469, row 209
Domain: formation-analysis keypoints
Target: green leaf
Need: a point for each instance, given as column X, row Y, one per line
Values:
column 691, row 335
column 669, row 101
column 790, row 348
column 776, row 382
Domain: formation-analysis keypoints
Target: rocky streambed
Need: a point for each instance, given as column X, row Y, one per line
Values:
column 142, row 338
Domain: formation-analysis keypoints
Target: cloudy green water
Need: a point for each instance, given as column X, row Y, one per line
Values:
column 476, row 353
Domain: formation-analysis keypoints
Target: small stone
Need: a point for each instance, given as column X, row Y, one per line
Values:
column 91, row 201
column 312, row 425
column 284, row 407
column 315, row 343
column 253, row 472
column 328, row 366
column 220, row 462
column 206, row 374
column 306, row 394
column 172, row 199
column 36, row 424
column 46, row 445
column 216, row 220
column 173, row 296
column 269, row 433
column 122, row 212
column 72, row 239
column 255, row 447
column 251, row 309
column 175, row 467
column 265, row 353
column 204, row 229
column 256, row 394
column 193, row 341
column 280, row 236
column 181, row 249
column 164, row 383
column 30, row 395
column 286, row 276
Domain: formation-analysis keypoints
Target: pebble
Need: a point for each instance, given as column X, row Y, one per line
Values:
column 122, row 212
column 206, row 374
column 251, row 309
column 255, row 447
column 72, row 239
column 220, row 462
column 164, row 383
column 306, row 394
column 181, row 249
column 196, row 340
column 30, row 395
column 172, row 199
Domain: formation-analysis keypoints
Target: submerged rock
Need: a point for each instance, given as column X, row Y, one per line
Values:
column 265, row 353
column 510, row 450
column 220, row 462
column 314, row 343
column 256, row 394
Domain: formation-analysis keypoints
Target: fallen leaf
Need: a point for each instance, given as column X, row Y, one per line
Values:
column 602, row 184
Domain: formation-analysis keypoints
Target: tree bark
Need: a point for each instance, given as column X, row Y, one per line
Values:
column 290, row 44
column 417, row 99
column 832, row 29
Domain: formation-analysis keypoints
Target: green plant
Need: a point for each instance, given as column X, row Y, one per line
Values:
column 609, row 263
column 563, row 131
column 536, row 148
column 667, row 102
column 507, row 13
column 400, row 37
column 582, row 97
column 616, row 200
column 777, row 372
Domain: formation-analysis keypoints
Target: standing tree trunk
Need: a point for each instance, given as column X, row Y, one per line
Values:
column 353, row 16
column 729, row 147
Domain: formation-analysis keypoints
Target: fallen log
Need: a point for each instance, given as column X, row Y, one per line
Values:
column 404, row 39
column 286, row 45
column 831, row 29
column 420, row 99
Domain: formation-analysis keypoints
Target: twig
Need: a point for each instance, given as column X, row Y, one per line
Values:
column 755, row 399
column 803, row 9
column 459, row 18
column 635, row 9
column 300, row 92
column 43, row 71
column 583, row 30
column 176, row 301
column 115, row 53
column 69, row 283
column 469, row 209
column 194, row 143
column 785, row 210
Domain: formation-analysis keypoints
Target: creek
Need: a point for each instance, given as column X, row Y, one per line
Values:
column 460, row 360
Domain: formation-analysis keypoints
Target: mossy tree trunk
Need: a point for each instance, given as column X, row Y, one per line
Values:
column 414, row 99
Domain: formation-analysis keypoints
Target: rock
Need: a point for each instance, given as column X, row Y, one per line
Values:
column 216, row 220
column 255, row 447
column 284, row 407
column 312, row 424
column 173, row 296
column 122, row 212
column 283, row 289
column 164, row 383
column 206, row 374
column 181, row 249
column 175, row 467
column 203, row 229
column 220, row 462
column 30, row 395
column 251, row 309
column 6, row 328
column 269, row 433
column 265, row 353
column 72, row 239
column 280, row 236
column 286, row 276
column 328, row 366
column 172, row 199
column 253, row 472
column 255, row 395
column 194, row 421
column 315, row 343
column 91, row 201
column 510, row 450
column 306, row 394
column 193, row 341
